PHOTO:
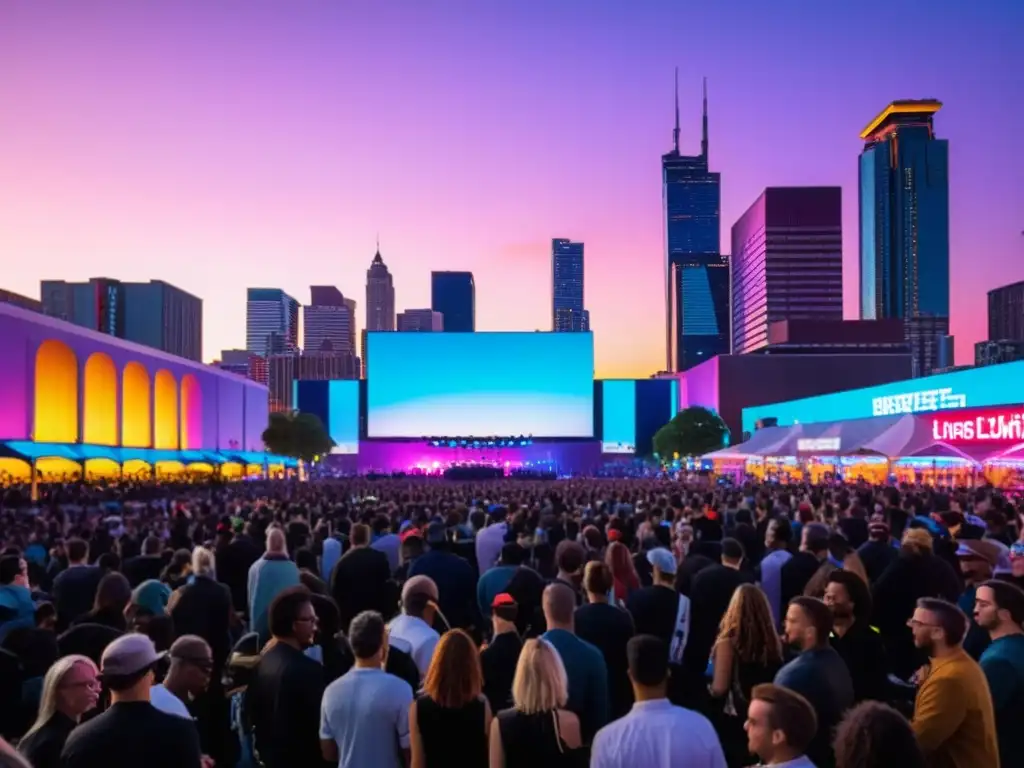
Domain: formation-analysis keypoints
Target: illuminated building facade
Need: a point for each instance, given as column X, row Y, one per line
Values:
column 271, row 321
column 904, row 229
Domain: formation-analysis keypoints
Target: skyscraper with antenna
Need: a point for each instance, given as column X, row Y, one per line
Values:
column 696, row 273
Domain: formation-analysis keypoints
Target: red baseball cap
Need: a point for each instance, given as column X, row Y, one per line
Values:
column 411, row 533
column 503, row 599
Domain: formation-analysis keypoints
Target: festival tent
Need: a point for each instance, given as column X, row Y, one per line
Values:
column 763, row 442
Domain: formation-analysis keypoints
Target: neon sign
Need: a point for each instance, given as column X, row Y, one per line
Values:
column 818, row 444
column 918, row 402
column 991, row 425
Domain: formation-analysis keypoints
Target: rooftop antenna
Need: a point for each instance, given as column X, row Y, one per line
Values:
column 704, row 133
column 675, row 131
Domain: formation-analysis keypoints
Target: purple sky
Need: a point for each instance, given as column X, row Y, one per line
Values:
column 220, row 145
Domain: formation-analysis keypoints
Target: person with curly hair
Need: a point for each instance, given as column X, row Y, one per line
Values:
column 874, row 735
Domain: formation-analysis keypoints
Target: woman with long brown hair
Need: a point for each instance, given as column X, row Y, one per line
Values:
column 618, row 559
column 448, row 723
column 748, row 652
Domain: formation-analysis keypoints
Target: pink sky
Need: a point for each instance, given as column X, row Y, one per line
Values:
column 268, row 143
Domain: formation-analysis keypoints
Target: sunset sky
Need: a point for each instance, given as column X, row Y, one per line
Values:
column 225, row 144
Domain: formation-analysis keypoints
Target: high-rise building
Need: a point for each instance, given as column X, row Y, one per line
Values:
column 328, row 321
column 787, row 262
column 453, row 294
column 420, row 320
column 285, row 369
column 156, row 314
column 904, row 228
column 1006, row 313
column 380, row 302
column 10, row 297
column 995, row 352
column 271, row 322
column 696, row 272
column 567, row 312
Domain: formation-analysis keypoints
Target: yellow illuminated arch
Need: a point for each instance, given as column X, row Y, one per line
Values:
column 56, row 394
column 165, row 409
column 191, row 413
column 136, row 411
column 99, row 403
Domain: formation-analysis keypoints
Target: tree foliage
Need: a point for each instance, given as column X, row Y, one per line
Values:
column 692, row 432
column 296, row 434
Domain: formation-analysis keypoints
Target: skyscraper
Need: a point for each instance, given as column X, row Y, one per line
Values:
column 696, row 273
column 328, row 321
column 380, row 303
column 271, row 322
column 1006, row 313
column 156, row 314
column 567, row 312
column 453, row 294
column 904, row 228
column 787, row 262
column 420, row 320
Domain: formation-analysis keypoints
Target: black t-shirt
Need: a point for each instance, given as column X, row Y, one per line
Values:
column 74, row 591
column 42, row 749
column 609, row 629
column 498, row 662
column 654, row 610
column 133, row 734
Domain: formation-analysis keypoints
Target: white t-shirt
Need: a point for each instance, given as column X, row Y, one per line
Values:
column 422, row 638
column 167, row 702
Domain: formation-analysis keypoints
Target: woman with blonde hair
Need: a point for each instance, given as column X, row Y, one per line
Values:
column 538, row 730
column 70, row 689
column 747, row 653
column 448, row 723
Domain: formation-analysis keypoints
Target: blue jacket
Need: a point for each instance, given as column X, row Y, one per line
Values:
column 588, row 680
column 268, row 576
column 16, row 609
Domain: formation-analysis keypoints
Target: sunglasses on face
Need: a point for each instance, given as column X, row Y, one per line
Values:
column 204, row 664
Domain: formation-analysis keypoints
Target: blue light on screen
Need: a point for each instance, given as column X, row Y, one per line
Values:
column 343, row 415
column 618, row 416
column 480, row 385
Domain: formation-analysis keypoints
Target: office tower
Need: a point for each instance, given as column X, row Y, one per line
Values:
column 328, row 321
column 1006, row 313
column 453, row 294
column 904, row 228
column 234, row 361
column 567, row 313
column 420, row 320
column 380, row 302
column 17, row 300
column 787, row 262
column 696, row 273
column 271, row 322
column 283, row 370
column 156, row 314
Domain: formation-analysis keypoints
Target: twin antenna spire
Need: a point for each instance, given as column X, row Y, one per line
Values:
column 704, row 126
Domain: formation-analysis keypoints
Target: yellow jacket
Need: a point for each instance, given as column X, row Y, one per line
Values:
column 953, row 716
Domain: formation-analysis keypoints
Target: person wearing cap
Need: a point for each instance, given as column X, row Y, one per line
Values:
column 878, row 551
column 978, row 560
column 453, row 575
column 410, row 551
column 132, row 732
column 498, row 659
column 655, row 733
column 414, row 626
column 188, row 676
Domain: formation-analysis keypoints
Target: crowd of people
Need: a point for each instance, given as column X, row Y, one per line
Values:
column 610, row 622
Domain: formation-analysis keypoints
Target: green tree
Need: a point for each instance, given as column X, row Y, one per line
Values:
column 692, row 432
column 296, row 434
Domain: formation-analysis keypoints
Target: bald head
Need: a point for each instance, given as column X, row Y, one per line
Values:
column 276, row 541
column 559, row 606
column 417, row 595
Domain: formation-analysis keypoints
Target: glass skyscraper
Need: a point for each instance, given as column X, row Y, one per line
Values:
column 904, row 228
column 567, row 312
column 453, row 294
column 271, row 322
column 696, row 273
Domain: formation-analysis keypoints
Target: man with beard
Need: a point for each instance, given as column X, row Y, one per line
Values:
column 999, row 610
column 953, row 715
column 818, row 673
column 860, row 645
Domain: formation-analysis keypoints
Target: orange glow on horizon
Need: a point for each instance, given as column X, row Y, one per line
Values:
column 99, row 405
column 55, row 417
column 165, row 410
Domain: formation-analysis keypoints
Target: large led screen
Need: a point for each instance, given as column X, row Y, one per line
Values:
column 618, row 416
column 343, row 416
column 480, row 385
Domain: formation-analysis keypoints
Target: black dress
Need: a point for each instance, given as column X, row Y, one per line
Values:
column 532, row 741
column 452, row 736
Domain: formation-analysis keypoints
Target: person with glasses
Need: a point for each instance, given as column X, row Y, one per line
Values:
column 954, row 718
column 188, row 676
column 70, row 689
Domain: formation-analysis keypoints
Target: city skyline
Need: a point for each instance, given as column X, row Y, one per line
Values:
column 236, row 168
